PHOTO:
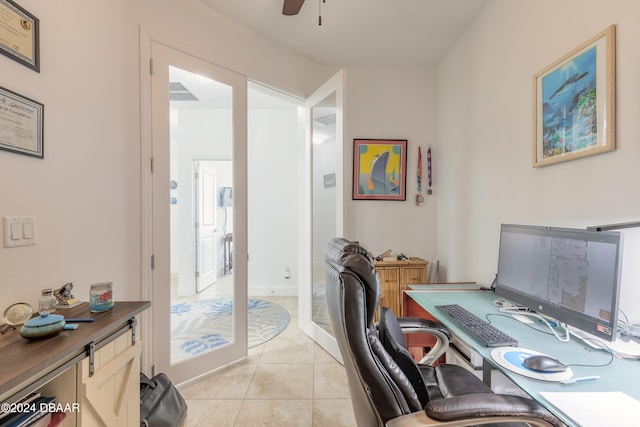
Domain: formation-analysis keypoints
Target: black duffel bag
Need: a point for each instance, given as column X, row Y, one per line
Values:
column 161, row 404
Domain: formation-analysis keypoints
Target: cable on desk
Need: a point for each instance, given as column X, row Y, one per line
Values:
column 504, row 303
column 544, row 320
column 532, row 326
column 626, row 319
column 625, row 327
column 600, row 342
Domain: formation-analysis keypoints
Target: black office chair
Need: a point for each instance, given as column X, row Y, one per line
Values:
column 382, row 394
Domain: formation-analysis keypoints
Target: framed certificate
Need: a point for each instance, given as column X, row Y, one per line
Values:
column 21, row 123
column 19, row 35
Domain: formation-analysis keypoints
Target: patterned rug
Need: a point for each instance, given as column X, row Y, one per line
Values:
column 202, row 325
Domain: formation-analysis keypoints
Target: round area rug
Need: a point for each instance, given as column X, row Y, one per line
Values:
column 202, row 325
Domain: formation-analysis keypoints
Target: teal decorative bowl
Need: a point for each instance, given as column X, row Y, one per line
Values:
column 42, row 326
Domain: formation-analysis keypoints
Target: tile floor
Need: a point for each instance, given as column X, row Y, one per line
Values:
column 287, row 381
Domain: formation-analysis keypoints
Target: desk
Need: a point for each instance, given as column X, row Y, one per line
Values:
column 94, row 366
column 622, row 375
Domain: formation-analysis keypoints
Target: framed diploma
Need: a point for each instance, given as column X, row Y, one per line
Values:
column 21, row 123
column 19, row 35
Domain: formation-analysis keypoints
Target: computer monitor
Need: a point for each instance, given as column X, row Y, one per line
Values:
column 571, row 275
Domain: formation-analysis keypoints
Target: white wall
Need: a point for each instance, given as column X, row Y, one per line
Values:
column 197, row 134
column 392, row 103
column 86, row 193
column 273, row 200
column 483, row 161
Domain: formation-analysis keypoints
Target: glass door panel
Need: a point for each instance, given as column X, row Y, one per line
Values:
column 199, row 150
column 322, row 205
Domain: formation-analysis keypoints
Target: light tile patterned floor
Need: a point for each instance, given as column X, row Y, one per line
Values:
column 287, row 382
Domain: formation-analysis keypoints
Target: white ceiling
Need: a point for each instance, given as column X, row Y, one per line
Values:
column 353, row 32
column 360, row 32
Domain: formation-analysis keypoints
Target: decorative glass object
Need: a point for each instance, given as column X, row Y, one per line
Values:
column 47, row 302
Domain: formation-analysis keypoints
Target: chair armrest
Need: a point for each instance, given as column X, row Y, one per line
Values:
column 417, row 325
column 489, row 405
column 420, row 323
column 420, row 419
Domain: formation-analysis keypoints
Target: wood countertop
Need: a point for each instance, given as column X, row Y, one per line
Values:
column 23, row 360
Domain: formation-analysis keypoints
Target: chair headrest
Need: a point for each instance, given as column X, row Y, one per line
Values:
column 349, row 257
column 339, row 245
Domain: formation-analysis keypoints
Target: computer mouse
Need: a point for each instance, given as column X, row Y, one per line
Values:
column 542, row 363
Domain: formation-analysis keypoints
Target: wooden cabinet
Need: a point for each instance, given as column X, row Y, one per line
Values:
column 93, row 371
column 395, row 276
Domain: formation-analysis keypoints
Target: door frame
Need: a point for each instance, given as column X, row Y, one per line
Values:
column 334, row 84
column 155, row 264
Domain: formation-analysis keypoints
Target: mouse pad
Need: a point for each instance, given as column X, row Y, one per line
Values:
column 511, row 358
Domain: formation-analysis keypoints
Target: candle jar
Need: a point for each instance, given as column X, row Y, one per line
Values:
column 101, row 297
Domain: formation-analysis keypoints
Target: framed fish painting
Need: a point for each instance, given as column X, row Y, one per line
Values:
column 379, row 169
column 574, row 103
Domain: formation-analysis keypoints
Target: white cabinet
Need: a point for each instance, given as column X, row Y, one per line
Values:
column 93, row 371
column 111, row 396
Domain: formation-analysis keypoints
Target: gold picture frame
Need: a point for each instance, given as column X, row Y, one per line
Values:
column 574, row 103
column 19, row 35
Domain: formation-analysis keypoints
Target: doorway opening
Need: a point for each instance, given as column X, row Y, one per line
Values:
column 205, row 241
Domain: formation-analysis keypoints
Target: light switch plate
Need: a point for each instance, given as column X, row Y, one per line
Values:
column 19, row 231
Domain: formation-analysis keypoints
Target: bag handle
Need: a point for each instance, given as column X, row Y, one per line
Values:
column 144, row 380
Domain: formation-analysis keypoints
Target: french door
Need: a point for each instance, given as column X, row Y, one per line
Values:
column 199, row 113
column 322, row 205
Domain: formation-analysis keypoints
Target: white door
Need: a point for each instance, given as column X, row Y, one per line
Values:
column 322, row 198
column 206, row 224
column 198, row 111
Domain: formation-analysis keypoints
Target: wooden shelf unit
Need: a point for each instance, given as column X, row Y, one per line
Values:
column 395, row 276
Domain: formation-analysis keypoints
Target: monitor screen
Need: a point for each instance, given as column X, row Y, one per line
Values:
column 572, row 275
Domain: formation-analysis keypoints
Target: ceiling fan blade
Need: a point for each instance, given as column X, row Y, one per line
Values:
column 291, row 7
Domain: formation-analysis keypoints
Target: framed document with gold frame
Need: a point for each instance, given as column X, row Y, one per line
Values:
column 574, row 103
column 19, row 35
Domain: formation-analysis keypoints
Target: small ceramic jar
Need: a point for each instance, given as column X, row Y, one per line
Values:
column 42, row 326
